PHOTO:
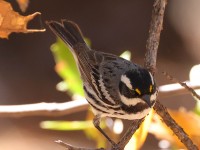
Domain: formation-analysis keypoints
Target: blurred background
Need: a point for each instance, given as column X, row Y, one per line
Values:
column 27, row 72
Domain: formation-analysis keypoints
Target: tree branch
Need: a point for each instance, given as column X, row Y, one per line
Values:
column 151, row 53
column 43, row 109
column 66, row 108
column 183, row 84
column 170, row 122
column 150, row 64
column 154, row 34
column 170, row 90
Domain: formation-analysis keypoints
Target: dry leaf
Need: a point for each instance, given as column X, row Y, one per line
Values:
column 11, row 21
column 188, row 120
column 23, row 4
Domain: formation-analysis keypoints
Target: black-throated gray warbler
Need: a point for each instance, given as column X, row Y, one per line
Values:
column 113, row 86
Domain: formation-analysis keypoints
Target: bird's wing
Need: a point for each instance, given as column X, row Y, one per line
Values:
column 99, row 70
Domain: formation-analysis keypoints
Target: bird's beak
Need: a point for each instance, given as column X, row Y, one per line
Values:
column 146, row 98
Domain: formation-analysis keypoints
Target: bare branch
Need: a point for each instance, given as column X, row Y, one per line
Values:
column 151, row 53
column 183, row 84
column 43, row 109
column 66, row 108
column 170, row 122
column 152, row 48
column 170, row 90
column 154, row 34
column 150, row 64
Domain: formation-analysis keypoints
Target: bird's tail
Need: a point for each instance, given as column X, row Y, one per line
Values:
column 69, row 32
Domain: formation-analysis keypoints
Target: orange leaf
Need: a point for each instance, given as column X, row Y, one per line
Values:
column 11, row 21
column 188, row 120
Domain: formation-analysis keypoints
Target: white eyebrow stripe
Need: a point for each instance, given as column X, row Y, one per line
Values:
column 126, row 81
column 152, row 80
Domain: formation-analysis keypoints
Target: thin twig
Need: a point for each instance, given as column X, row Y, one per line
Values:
column 171, row 90
column 71, row 147
column 170, row 122
column 183, row 84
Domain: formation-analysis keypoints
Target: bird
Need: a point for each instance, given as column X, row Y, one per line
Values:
column 113, row 86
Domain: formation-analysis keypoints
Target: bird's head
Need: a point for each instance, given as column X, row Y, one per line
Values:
column 137, row 86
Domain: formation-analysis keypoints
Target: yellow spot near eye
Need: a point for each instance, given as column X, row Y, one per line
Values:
column 150, row 88
column 138, row 91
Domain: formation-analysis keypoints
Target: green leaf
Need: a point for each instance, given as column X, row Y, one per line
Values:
column 66, row 67
column 67, row 125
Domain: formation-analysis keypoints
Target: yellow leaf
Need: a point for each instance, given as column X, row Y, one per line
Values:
column 23, row 4
column 11, row 21
column 188, row 120
column 140, row 135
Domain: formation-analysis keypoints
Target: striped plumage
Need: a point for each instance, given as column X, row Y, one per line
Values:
column 113, row 86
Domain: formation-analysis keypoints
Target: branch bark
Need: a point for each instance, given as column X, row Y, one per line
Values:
column 154, row 35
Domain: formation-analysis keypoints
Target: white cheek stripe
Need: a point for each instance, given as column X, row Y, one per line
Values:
column 131, row 101
column 126, row 81
column 135, row 101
